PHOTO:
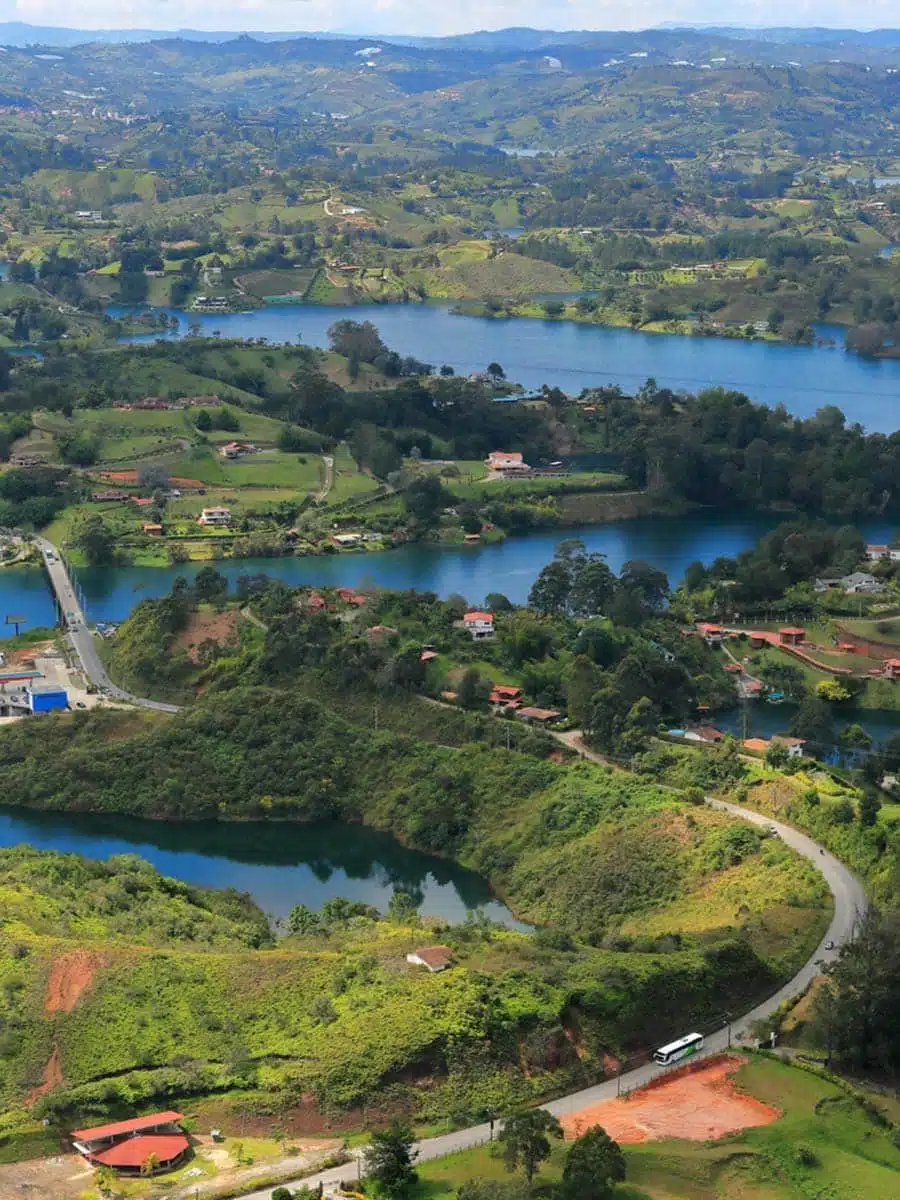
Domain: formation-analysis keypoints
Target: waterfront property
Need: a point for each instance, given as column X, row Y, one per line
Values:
column 858, row 583
column 216, row 517
column 479, row 624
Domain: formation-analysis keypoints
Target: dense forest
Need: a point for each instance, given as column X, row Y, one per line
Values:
column 718, row 448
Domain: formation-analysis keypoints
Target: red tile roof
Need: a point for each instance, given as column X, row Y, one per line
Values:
column 503, row 689
column 479, row 616
column 792, row 630
column 758, row 744
column 134, row 1151
column 709, row 733
column 152, row 1121
column 427, row 655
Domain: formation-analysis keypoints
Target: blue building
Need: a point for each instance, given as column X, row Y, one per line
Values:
column 47, row 697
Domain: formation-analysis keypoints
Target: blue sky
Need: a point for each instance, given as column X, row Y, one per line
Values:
column 448, row 16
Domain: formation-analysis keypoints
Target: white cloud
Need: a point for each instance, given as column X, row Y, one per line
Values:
column 452, row 16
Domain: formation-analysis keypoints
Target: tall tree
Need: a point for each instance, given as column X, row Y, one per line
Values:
column 552, row 588
column 856, row 1011
column 593, row 1165
column 389, row 1161
column 525, row 1139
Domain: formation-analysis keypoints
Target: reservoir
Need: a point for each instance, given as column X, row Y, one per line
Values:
column 279, row 864
column 670, row 543
column 573, row 356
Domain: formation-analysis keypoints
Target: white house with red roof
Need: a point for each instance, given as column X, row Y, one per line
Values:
column 505, row 460
column 479, row 624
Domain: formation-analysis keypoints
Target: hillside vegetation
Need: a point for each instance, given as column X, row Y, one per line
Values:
column 571, row 847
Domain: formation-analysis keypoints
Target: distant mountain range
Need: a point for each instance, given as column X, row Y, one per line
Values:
column 19, row 33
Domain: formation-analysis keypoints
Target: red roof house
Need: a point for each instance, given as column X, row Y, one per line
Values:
column 479, row 624
column 756, row 745
column 709, row 733
column 435, row 958
column 127, row 1145
column 132, row 1153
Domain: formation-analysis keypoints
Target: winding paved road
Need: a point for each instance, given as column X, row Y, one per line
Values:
column 80, row 637
column 849, row 906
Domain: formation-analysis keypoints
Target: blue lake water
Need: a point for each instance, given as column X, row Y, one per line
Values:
column 573, row 356
column 511, row 567
column 279, row 864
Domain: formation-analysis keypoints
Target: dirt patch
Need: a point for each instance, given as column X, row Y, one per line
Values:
column 51, row 1078
column 699, row 1102
column 132, row 477
column 70, row 975
column 300, row 1120
column 63, row 1177
column 26, row 655
column 219, row 627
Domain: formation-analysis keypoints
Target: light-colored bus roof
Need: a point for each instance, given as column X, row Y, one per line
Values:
column 682, row 1041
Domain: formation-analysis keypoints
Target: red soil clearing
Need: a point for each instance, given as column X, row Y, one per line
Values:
column 70, row 975
column 132, row 477
column 51, row 1078
column 699, row 1102
column 208, row 626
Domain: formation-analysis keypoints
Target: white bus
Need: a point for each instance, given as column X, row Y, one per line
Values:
column 683, row 1048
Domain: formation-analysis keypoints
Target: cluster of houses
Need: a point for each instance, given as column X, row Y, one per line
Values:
column 710, row 736
column 163, row 403
column 315, row 602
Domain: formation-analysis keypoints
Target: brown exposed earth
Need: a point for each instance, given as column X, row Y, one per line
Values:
column 699, row 1102
column 301, row 1120
column 70, row 975
column 132, row 477
column 26, row 655
column 219, row 627
column 51, row 1078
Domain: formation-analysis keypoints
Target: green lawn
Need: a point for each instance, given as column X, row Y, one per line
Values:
column 270, row 468
column 349, row 483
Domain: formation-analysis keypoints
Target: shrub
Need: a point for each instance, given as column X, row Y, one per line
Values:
column 805, row 1155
